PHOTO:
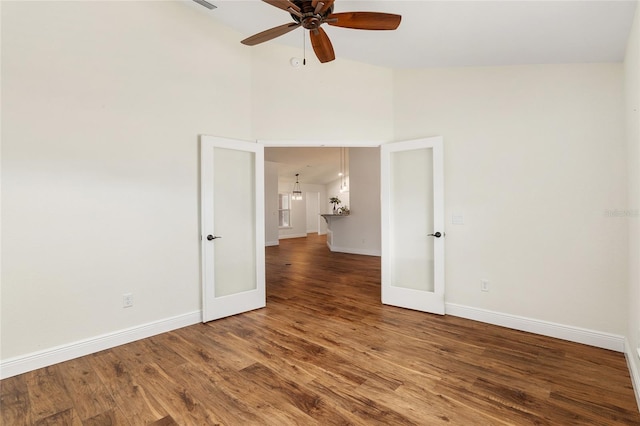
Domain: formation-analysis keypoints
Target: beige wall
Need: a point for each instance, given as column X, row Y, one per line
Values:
column 271, row 203
column 632, row 110
column 100, row 165
column 337, row 101
column 534, row 156
column 360, row 232
column 102, row 104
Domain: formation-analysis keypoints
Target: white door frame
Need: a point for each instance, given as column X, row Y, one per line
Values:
column 319, row 144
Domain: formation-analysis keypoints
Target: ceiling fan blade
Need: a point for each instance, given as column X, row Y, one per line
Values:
column 270, row 34
column 283, row 4
column 322, row 45
column 365, row 20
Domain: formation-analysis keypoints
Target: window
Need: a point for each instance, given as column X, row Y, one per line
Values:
column 284, row 211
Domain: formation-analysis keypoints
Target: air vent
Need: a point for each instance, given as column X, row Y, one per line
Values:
column 206, row 4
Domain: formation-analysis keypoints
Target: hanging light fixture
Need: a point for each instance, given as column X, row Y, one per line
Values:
column 297, row 192
column 340, row 171
column 343, row 170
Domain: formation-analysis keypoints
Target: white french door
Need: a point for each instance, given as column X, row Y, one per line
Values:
column 413, row 224
column 232, row 230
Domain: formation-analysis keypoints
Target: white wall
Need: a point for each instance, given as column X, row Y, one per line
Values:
column 100, row 165
column 100, row 125
column 271, row 203
column 337, row 101
column 313, row 211
column 100, row 154
column 534, row 158
column 359, row 233
column 299, row 216
column 333, row 190
column 632, row 108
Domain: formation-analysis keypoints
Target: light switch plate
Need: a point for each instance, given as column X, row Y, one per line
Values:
column 457, row 219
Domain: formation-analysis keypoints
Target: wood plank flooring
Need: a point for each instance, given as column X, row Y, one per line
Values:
column 326, row 352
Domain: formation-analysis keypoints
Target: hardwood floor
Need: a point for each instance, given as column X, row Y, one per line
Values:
column 325, row 351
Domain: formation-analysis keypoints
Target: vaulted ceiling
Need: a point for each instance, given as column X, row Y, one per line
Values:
column 443, row 34
column 458, row 33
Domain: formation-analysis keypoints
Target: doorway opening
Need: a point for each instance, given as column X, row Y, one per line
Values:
column 350, row 175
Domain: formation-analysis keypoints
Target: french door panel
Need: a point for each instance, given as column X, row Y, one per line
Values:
column 232, row 229
column 413, row 224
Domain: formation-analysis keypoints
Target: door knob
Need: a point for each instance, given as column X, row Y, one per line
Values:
column 437, row 235
column 212, row 237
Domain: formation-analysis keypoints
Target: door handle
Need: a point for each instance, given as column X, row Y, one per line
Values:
column 437, row 235
column 212, row 237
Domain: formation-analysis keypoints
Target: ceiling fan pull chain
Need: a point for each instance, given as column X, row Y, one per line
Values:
column 304, row 49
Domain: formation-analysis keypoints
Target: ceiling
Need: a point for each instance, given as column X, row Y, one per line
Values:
column 316, row 165
column 442, row 34
column 458, row 33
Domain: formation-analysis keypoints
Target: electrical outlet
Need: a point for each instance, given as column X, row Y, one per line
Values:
column 127, row 300
column 484, row 285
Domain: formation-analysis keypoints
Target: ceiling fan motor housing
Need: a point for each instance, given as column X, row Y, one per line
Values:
column 309, row 19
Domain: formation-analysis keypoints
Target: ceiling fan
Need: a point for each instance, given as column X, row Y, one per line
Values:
column 311, row 14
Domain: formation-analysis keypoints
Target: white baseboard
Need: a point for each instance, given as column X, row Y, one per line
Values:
column 284, row 237
column 21, row 364
column 272, row 243
column 598, row 339
column 632, row 355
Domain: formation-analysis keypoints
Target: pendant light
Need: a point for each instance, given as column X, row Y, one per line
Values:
column 343, row 170
column 297, row 192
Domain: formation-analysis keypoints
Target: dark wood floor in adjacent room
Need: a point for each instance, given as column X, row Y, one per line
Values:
column 325, row 351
